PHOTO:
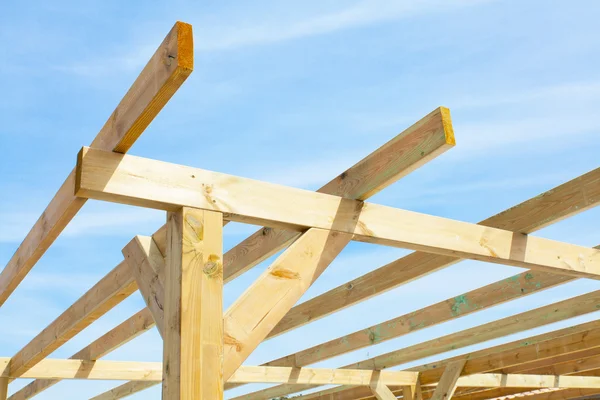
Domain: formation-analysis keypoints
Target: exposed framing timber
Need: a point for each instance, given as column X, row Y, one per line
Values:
column 565, row 309
column 381, row 391
column 166, row 71
column 147, row 264
column 193, row 306
column 447, row 384
column 115, row 287
column 3, row 388
column 116, row 177
column 141, row 322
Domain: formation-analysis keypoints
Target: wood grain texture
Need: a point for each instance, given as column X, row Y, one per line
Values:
column 148, row 183
column 193, row 307
column 141, row 322
column 382, row 392
column 252, row 316
column 124, row 390
column 536, row 213
column 566, row 309
column 148, row 267
column 3, row 388
column 447, row 384
column 115, row 287
column 93, row 370
column 163, row 75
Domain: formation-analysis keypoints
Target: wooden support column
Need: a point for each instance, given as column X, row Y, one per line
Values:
column 3, row 388
column 447, row 384
column 382, row 392
column 193, row 309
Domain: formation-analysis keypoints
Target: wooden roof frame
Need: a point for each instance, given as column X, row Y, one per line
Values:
column 181, row 268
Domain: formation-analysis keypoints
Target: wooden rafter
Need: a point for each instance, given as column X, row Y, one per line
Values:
column 166, row 71
column 447, row 384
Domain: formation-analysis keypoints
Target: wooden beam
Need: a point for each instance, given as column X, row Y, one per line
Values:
column 563, row 310
column 115, row 287
column 193, row 307
column 412, row 392
column 144, row 182
column 94, row 370
column 529, row 216
column 3, row 388
column 148, row 266
column 141, row 322
column 529, row 381
column 381, row 391
column 166, row 71
column 420, row 143
column 323, row 376
column 447, row 384
column 124, row 390
column 250, row 318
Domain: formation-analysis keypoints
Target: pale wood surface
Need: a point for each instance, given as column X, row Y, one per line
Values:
column 551, row 206
column 412, row 392
column 141, row 322
column 447, row 384
column 116, row 177
column 3, row 388
column 529, row 381
column 85, row 369
column 115, row 287
column 147, row 264
column 251, row 317
column 538, row 317
column 382, row 392
column 159, row 80
column 127, row 389
column 193, row 307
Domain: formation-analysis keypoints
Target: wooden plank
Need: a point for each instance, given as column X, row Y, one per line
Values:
column 166, row 71
column 529, row 381
column 150, row 183
column 3, row 388
column 324, row 376
column 538, row 212
column 127, row 389
column 447, row 384
column 141, row 322
column 115, row 287
column 412, row 392
column 382, row 392
column 563, row 310
column 256, row 311
column 94, row 370
column 193, row 307
column 148, row 266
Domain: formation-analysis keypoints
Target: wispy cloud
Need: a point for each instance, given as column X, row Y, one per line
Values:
column 360, row 14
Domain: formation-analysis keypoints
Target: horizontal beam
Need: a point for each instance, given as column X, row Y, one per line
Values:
column 166, row 71
column 152, row 372
column 529, row 381
column 148, row 183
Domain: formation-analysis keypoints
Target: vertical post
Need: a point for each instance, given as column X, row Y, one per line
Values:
column 193, row 309
column 3, row 388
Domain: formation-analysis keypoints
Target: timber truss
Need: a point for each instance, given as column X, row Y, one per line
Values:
column 180, row 271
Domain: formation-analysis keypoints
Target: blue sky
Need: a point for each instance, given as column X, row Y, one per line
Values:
column 294, row 93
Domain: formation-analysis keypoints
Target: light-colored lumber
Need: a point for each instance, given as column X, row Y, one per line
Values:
column 420, row 143
column 529, row 381
column 85, row 369
column 193, row 306
column 124, row 390
column 324, row 376
column 166, row 71
column 3, row 388
column 381, row 391
column 149, row 183
column 563, row 310
column 538, row 212
column 147, row 264
column 141, row 322
column 576, row 338
column 115, row 287
column 250, row 318
column 412, row 392
column 447, row 384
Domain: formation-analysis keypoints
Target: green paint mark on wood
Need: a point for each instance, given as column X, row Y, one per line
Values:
column 461, row 304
